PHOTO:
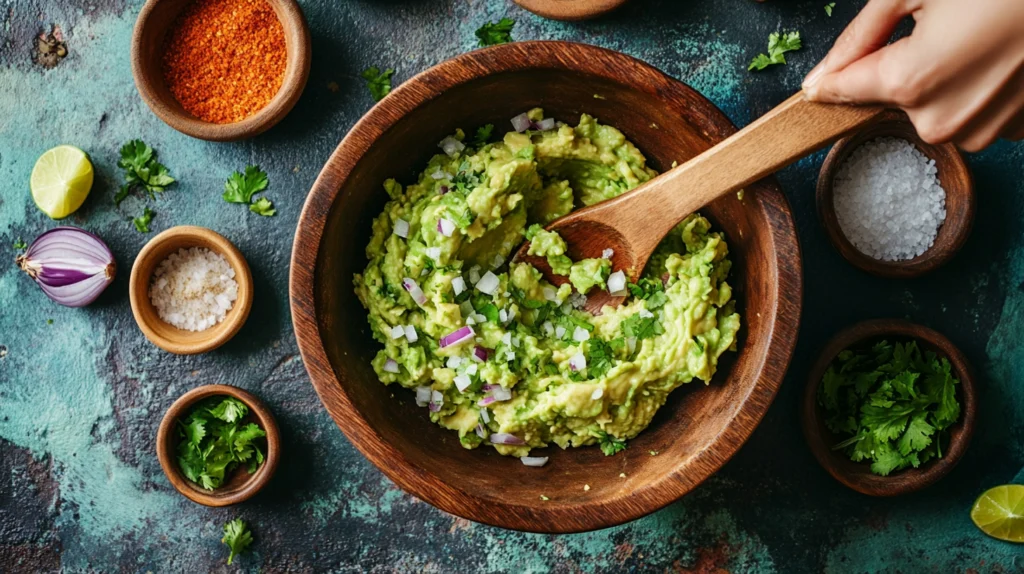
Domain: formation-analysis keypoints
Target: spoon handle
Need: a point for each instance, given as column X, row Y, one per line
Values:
column 790, row 131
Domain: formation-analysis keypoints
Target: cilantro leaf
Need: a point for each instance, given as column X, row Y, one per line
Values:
column 141, row 169
column 142, row 222
column 917, row 437
column 610, row 445
column 829, row 7
column 229, row 410
column 263, row 206
column 483, row 134
column 240, row 187
column 379, row 83
column 778, row 45
column 237, row 536
column 20, row 244
column 642, row 327
column 494, row 33
column 600, row 358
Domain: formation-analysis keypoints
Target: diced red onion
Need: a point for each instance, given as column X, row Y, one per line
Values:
column 546, row 124
column 436, row 401
column 402, row 228
column 480, row 354
column 485, row 401
column 484, row 415
column 414, row 290
column 70, row 265
column 458, row 285
column 481, row 431
column 443, row 189
column 445, row 227
column 578, row 362
column 451, row 146
column 617, row 284
column 410, row 334
column 505, row 438
column 580, row 334
column 422, row 396
column 488, row 283
column 536, row 461
column 390, row 366
column 521, row 123
column 457, row 336
column 607, row 253
column 462, row 382
column 498, row 393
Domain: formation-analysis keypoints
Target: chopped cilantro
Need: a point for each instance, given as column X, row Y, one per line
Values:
column 379, row 83
column 142, row 222
column 829, row 7
column 645, row 288
column 457, row 209
column 20, row 244
column 240, row 187
column 778, row 45
column 494, row 33
column 642, row 327
column 891, row 402
column 483, row 134
column 237, row 536
column 263, row 206
column 610, row 445
column 49, row 321
column 141, row 169
column 214, row 442
column 600, row 358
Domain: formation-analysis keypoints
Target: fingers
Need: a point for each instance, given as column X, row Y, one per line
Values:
column 886, row 76
column 868, row 32
column 1001, row 116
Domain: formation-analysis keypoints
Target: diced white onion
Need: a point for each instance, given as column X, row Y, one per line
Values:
column 474, row 274
column 488, row 283
column 422, row 396
column 414, row 290
column 644, row 313
column 536, row 461
column 501, row 394
column 438, row 174
column 521, row 123
column 410, row 333
column 472, row 369
column 607, row 253
column 458, row 285
column 454, row 362
column 598, row 393
column 397, row 332
column 578, row 362
column 515, row 341
column 446, row 227
column 402, row 228
column 505, row 438
column 559, row 332
column 617, row 283
column 451, row 146
column 580, row 334
column 546, row 124
column 507, row 338
column 631, row 344
column 434, row 253
column 549, row 329
column 390, row 366
column 550, row 294
column 503, row 315
column 470, row 320
column 497, row 262
column 510, row 356
column 462, row 382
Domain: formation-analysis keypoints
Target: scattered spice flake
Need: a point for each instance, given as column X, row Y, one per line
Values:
column 49, row 321
column 542, row 497
column 586, row 487
column 654, row 453
column 599, row 97
column 622, row 475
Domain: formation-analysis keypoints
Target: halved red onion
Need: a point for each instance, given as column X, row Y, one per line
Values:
column 457, row 336
column 488, row 283
column 414, row 290
column 480, row 354
column 451, row 146
column 402, row 228
column 537, row 461
column 505, row 438
column 578, row 362
column 617, row 284
column 390, row 366
column 521, row 123
column 445, row 227
column 422, row 396
column 545, row 124
column 70, row 265
column 462, row 382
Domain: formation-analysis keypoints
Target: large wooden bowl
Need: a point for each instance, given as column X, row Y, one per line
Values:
column 699, row 428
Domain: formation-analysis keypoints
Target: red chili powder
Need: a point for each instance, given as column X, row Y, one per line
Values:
column 224, row 60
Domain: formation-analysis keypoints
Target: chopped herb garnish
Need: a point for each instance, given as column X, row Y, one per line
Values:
column 600, row 358
column 263, row 206
column 141, row 169
column 49, row 321
column 20, row 244
column 829, row 7
column 483, row 134
column 241, row 187
column 142, row 222
column 611, row 445
column 237, row 536
column 213, row 441
column 642, row 327
column 778, row 45
column 379, row 83
column 494, row 33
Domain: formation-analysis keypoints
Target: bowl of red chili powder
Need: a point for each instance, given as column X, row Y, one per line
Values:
column 221, row 70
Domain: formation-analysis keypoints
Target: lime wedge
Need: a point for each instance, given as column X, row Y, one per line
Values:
column 61, row 181
column 1000, row 512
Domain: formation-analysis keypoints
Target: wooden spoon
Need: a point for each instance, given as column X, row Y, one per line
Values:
column 634, row 223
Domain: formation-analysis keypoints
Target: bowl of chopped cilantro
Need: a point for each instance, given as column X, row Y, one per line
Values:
column 889, row 407
column 218, row 445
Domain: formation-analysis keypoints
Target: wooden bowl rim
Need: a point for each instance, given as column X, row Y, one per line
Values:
column 932, row 259
column 165, row 437
column 138, row 290
column 299, row 60
column 431, row 84
column 570, row 10
column 907, row 480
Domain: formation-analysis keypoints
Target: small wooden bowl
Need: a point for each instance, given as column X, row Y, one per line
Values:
column 240, row 485
column 570, row 9
column 151, row 28
column 954, row 176
column 858, row 475
column 164, row 335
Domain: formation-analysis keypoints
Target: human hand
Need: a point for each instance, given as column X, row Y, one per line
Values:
column 959, row 75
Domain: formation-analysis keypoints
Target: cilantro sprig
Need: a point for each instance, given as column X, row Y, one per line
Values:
column 20, row 244
column 241, row 187
column 141, row 170
column 379, row 83
column 214, row 441
column 778, row 45
column 610, row 445
column 892, row 402
column 142, row 222
column 237, row 536
column 494, row 33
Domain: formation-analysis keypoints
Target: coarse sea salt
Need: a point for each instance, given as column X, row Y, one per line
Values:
column 888, row 200
column 193, row 289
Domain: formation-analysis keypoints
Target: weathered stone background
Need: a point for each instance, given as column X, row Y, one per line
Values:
column 80, row 399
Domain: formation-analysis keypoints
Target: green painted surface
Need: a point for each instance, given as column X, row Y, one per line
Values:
column 80, row 488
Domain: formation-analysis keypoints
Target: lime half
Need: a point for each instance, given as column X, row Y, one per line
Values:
column 1000, row 512
column 61, row 181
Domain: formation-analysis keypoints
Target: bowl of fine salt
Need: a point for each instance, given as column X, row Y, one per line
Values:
column 892, row 204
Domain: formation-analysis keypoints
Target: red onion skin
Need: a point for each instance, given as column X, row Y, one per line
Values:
column 61, row 282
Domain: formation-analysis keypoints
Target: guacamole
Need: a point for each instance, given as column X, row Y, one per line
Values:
column 498, row 354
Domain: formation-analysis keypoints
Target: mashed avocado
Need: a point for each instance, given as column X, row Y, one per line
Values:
column 500, row 355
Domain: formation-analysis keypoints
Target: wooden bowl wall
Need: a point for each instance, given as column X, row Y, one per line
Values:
column 156, row 18
column 240, row 485
column 570, row 9
column 699, row 428
column 954, row 176
column 858, row 475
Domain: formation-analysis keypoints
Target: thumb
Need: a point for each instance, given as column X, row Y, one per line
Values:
column 868, row 32
column 880, row 77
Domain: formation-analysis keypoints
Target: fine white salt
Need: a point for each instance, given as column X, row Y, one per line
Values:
column 888, row 200
column 193, row 289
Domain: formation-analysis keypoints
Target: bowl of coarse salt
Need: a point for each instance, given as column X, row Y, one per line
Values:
column 892, row 204
column 190, row 290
